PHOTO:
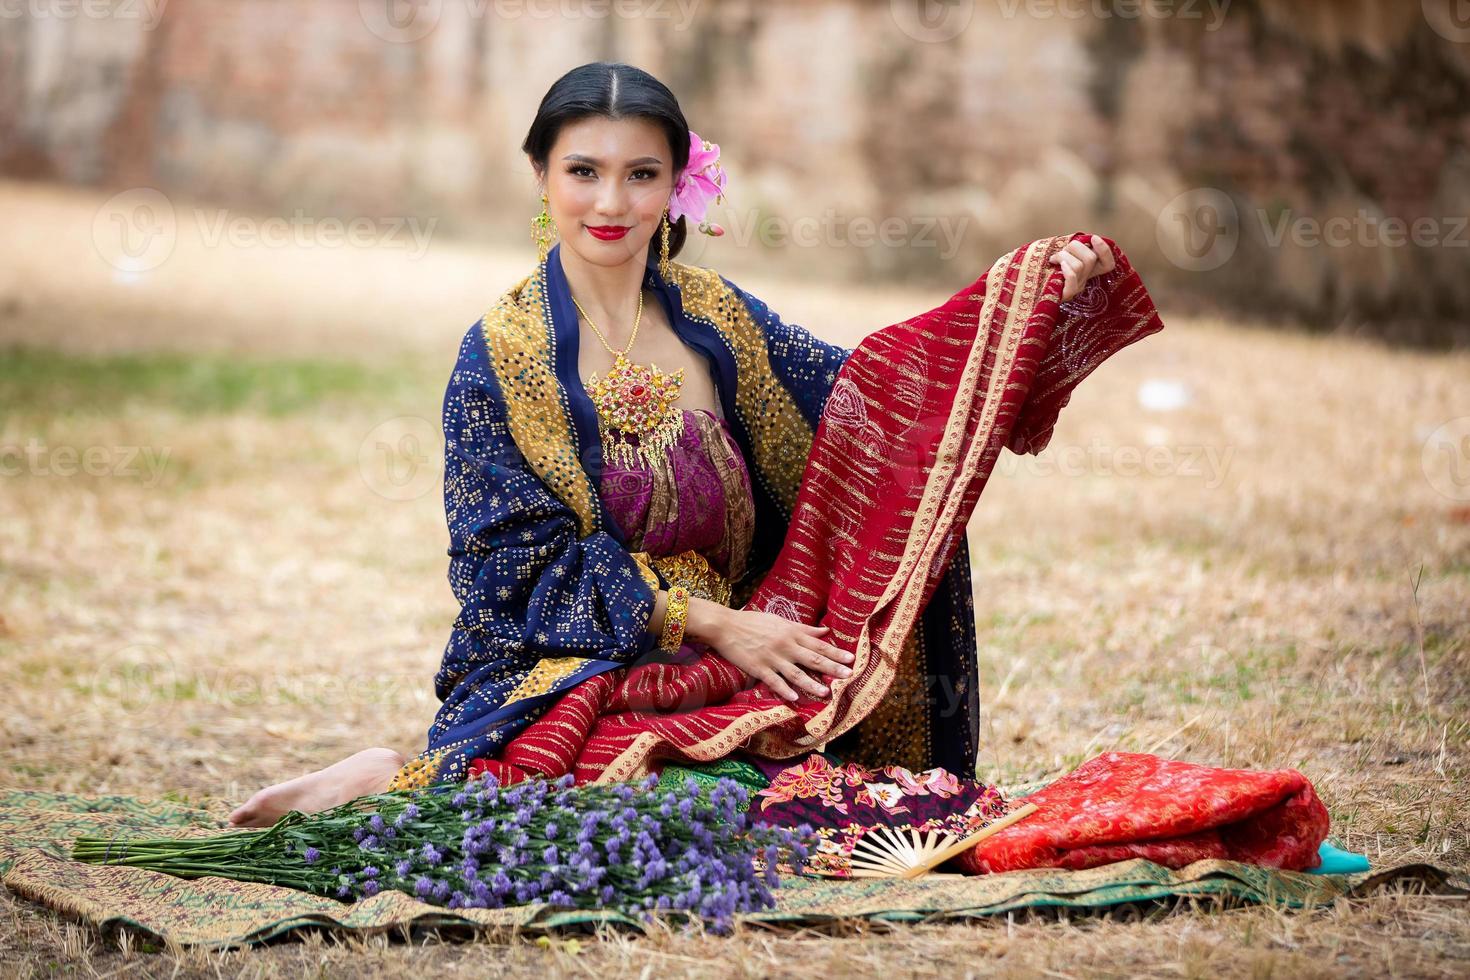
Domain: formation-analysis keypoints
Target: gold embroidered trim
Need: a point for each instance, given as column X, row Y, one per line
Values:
column 644, row 569
column 417, row 772
column 543, row 677
column 780, row 437
column 518, row 332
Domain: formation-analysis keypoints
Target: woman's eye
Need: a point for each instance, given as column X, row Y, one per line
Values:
column 583, row 170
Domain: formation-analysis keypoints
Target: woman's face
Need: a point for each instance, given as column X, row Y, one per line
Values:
column 606, row 184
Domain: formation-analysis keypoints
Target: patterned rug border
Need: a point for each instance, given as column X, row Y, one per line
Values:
column 216, row 913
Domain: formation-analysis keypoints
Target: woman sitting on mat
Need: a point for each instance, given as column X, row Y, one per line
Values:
column 683, row 529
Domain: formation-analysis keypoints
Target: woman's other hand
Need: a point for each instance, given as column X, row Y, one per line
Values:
column 1080, row 263
column 772, row 649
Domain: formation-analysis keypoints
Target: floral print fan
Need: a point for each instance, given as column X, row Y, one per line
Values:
column 882, row 823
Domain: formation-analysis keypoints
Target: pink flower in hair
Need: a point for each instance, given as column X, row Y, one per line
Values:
column 702, row 182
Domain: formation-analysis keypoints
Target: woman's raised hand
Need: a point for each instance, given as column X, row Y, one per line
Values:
column 1080, row 263
column 783, row 654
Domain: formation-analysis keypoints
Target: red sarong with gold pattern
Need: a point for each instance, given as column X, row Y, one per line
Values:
column 907, row 440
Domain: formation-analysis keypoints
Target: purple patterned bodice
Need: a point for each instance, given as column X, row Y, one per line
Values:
column 697, row 497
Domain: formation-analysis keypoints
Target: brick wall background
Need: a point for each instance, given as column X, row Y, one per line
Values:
column 1199, row 130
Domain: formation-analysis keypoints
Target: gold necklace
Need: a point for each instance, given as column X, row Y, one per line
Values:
column 634, row 400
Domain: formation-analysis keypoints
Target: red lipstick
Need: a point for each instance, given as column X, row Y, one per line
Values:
column 608, row 233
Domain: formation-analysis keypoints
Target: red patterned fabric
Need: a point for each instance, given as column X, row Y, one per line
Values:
column 1126, row 805
column 906, row 442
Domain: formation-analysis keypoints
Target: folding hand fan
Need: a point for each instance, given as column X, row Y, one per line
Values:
column 886, row 852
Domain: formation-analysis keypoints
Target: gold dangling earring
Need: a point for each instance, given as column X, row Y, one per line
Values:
column 541, row 233
column 663, row 252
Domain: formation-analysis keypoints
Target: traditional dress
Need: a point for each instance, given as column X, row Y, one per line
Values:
column 833, row 488
column 555, row 555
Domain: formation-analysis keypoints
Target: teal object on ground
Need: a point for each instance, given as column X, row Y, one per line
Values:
column 1336, row 861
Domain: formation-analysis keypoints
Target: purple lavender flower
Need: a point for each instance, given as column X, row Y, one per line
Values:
column 480, row 894
column 310, row 855
column 630, row 846
column 771, row 856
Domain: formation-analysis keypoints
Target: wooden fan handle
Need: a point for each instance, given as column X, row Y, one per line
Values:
column 970, row 840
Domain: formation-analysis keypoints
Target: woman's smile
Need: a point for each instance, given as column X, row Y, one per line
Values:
column 608, row 233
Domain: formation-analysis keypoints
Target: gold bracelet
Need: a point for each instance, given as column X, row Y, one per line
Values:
column 675, row 617
column 693, row 570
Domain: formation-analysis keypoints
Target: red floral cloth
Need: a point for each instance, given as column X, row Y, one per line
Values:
column 1130, row 805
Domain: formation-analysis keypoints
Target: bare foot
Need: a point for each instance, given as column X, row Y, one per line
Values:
column 366, row 772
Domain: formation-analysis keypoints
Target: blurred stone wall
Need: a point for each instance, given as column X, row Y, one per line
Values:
column 1257, row 155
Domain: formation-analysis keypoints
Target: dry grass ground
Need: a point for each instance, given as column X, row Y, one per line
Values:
column 1265, row 576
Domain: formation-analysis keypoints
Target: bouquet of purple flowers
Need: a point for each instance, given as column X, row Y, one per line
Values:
column 481, row 845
